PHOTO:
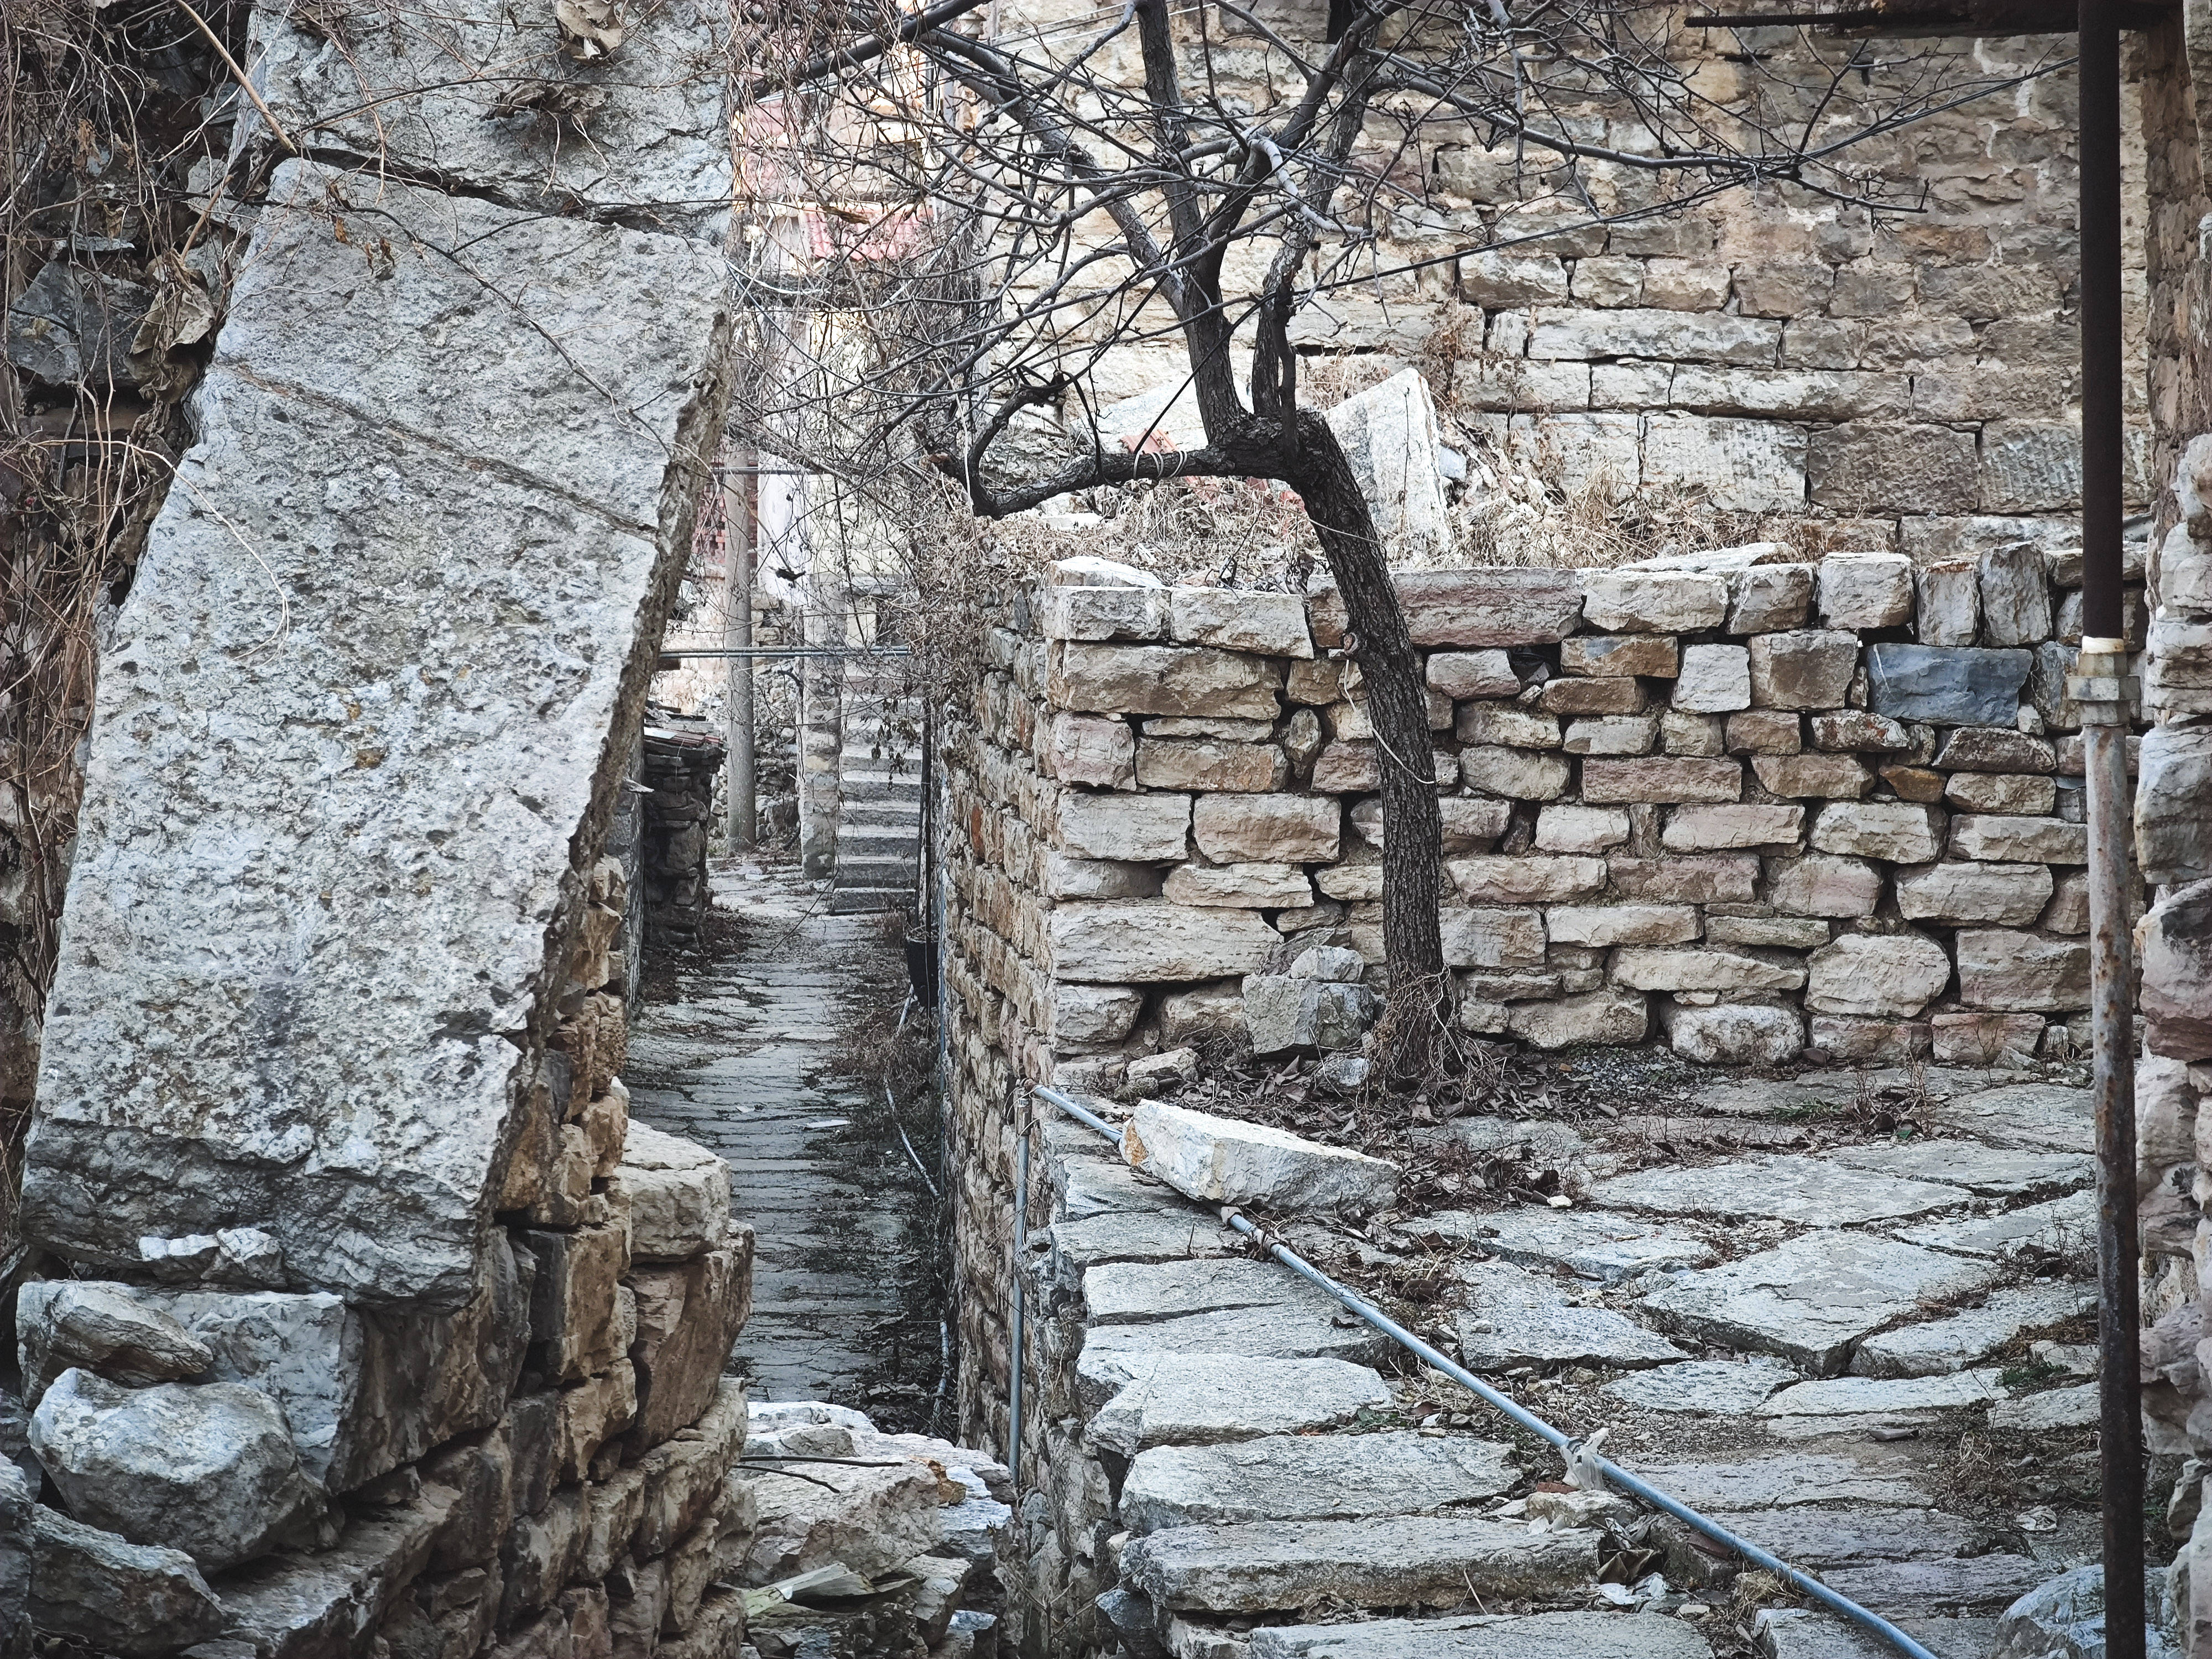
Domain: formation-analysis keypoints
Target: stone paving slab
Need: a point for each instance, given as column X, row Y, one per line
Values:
column 1810, row 1633
column 1882, row 1396
column 1418, row 1561
column 1602, row 1246
column 1100, row 1186
column 1989, row 1171
column 2049, row 1117
column 1200, row 1400
column 1981, row 1583
column 1312, row 1478
column 2054, row 1408
column 1834, row 1089
column 2059, row 1225
column 1514, row 1318
column 1814, row 1538
column 1964, row 1338
column 1811, row 1299
column 1130, row 1293
column 1135, row 1236
column 1275, row 1333
column 1539, row 1635
column 1701, row 1388
column 1875, row 1474
column 1810, row 1191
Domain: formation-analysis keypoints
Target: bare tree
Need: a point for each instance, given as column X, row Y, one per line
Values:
column 993, row 218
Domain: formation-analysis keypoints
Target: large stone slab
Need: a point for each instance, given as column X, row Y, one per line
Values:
column 2048, row 1116
column 2058, row 1226
column 441, row 670
column 1537, row 1636
column 1889, row 1397
column 1811, row 1299
column 1514, row 1318
column 1603, row 1247
column 1144, row 941
column 1811, row 1191
column 1204, row 1400
column 1967, row 1338
column 449, row 103
column 1945, row 684
column 1337, row 1477
column 1701, row 1388
column 1424, row 1561
column 1220, row 1160
column 1129, row 1293
column 1987, row 1171
column 1300, row 1332
column 1484, row 605
column 124, row 1598
column 1872, row 1474
column 678, row 1194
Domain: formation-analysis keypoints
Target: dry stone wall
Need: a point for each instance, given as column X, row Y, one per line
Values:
column 1764, row 810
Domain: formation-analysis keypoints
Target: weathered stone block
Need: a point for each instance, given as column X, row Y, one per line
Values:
column 1660, row 969
column 1995, row 749
column 2005, row 895
column 1765, row 731
column 1138, row 942
column 1813, row 777
column 1501, row 880
column 687, row 1316
column 1460, row 675
column 1240, row 619
column 1492, row 938
column 210, row 1470
column 678, row 1196
column 1880, row 467
column 1636, row 601
column 1205, row 764
column 1606, row 925
column 1131, row 828
column 1248, row 886
column 2173, row 805
column 1164, row 679
column 1664, row 779
column 1703, row 735
column 566, row 439
column 1818, row 885
column 1859, row 732
column 1877, row 976
column 1488, row 605
column 1713, row 878
column 2021, row 972
column 1584, row 696
column 1945, row 685
column 1865, row 590
column 2176, row 973
column 2023, row 793
column 1613, row 655
column 1219, row 1160
column 1291, row 1012
column 1949, row 597
column 1770, row 599
column 135, row 1600
column 573, row 1323
column 106, row 1329
column 2019, row 840
column 1714, row 679
column 1505, row 726
column 1268, row 829
column 1084, row 749
column 1515, row 773
column 1896, row 831
column 1612, row 735
column 2015, row 593
column 1611, row 1016
column 1985, row 1039
column 1742, row 1034
column 1566, row 828
column 1103, row 613
column 1775, row 933
column 1717, row 829
column 1806, row 668
column 1066, row 878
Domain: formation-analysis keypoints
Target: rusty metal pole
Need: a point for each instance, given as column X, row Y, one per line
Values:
column 2099, row 689
column 740, row 517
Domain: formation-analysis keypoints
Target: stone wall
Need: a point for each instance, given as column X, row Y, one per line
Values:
column 1765, row 810
column 682, row 759
column 357, row 1317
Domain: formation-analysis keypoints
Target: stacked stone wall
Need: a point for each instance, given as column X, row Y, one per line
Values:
column 1766, row 811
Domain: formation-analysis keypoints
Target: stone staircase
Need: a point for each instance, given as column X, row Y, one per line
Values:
column 1254, row 1475
column 880, row 790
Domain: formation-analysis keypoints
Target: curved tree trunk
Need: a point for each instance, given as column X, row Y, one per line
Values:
column 1397, row 705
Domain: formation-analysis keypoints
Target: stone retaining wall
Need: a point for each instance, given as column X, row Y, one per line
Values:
column 1762, row 810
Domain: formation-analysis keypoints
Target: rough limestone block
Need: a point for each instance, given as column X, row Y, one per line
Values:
column 1506, row 879
column 1219, row 1160
column 1164, row 679
column 1667, row 779
column 1716, row 829
column 1239, row 619
column 1739, row 1034
column 557, row 445
column 1859, row 732
column 1949, row 596
column 135, row 1600
column 1613, row 734
column 1514, row 773
column 1716, row 679
column 1773, row 933
column 1611, row 1016
column 2019, row 972
column 1568, row 829
column 1085, row 749
column 1813, row 777
column 864, row 1517
column 1066, row 878
column 1945, row 685
column 1571, row 696
column 1489, row 605
column 1805, row 668
column 1978, row 1039
column 210, row 1470
column 1638, row 601
column 687, row 1316
column 573, row 1316
column 1683, row 968
column 1497, row 723
column 1961, row 891
column 1388, row 435
column 677, row 1194
column 2019, row 840
column 1460, row 675
column 1470, row 822
column 2030, row 794
column 1708, row 878
column 1294, row 1013
column 2173, row 806
column 1247, row 886
column 1869, row 975
column 1602, row 926
column 1492, row 938
column 1268, row 828
column 2015, row 596
column 1897, row 831
column 1865, row 590
column 1615, row 655
column 1818, row 884
column 2176, row 973
column 1145, row 942
column 1130, row 828
column 1208, row 763
column 105, row 1329
column 1102, row 613
column 1995, row 749
column 1771, row 599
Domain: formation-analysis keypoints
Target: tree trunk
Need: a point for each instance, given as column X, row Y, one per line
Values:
column 1397, row 705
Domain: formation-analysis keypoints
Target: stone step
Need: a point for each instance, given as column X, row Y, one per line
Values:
column 1182, row 1400
column 1312, row 1478
column 1275, row 1333
column 1264, row 1566
column 867, row 901
column 1537, row 1636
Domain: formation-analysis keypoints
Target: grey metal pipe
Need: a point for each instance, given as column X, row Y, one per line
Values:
column 744, row 819
column 1014, row 1353
column 1614, row 1474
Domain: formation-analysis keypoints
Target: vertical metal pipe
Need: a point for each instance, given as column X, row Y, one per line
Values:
column 1014, row 1355
column 2101, row 694
column 738, row 518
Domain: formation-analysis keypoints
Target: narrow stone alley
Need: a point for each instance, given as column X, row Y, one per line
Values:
column 767, row 1045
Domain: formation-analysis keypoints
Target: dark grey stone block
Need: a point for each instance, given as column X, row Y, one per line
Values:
column 1946, row 684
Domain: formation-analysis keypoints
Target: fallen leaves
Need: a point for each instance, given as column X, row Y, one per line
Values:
column 589, row 29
